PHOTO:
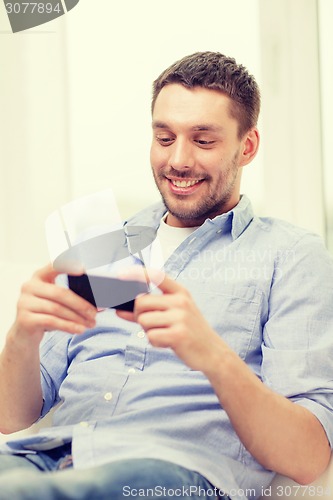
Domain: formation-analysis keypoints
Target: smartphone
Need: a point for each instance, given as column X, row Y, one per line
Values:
column 107, row 292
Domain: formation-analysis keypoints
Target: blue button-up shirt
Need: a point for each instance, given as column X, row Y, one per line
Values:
column 266, row 287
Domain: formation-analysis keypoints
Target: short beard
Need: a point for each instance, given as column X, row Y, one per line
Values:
column 209, row 206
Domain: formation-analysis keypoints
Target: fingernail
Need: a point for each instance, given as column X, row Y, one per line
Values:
column 91, row 313
column 80, row 328
column 91, row 324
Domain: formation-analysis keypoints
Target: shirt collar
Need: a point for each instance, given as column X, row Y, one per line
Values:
column 235, row 221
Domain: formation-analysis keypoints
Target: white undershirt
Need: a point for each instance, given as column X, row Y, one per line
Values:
column 170, row 237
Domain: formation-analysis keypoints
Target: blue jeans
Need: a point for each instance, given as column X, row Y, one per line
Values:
column 50, row 476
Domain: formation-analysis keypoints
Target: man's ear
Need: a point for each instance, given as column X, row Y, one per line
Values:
column 250, row 146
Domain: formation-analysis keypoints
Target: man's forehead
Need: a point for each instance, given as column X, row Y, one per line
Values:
column 204, row 105
column 195, row 109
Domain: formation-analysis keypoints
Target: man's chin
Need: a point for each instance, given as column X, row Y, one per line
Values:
column 183, row 212
column 187, row 218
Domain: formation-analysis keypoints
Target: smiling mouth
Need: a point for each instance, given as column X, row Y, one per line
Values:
column 183, row 183
column 184, row 186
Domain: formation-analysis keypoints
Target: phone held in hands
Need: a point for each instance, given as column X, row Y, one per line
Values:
column 107, row 292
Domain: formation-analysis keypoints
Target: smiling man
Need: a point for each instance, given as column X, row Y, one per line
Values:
column 208, row 388
column 198, row 168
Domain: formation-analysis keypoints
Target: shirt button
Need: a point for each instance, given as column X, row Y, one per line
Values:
column 108, row 396
column 131, row 370
column 141, row 334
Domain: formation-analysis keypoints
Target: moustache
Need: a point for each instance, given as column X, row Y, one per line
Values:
column 188, row 174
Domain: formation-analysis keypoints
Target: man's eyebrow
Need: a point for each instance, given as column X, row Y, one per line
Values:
column 197, row 128
column 207, row 128
column 157, row 124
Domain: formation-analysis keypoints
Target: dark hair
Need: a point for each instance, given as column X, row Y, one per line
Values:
column 215, row 71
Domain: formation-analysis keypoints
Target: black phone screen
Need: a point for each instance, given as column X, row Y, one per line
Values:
column 106, row 292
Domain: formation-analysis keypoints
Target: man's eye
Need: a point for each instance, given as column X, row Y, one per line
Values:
column 165, row 140
column 204, row 143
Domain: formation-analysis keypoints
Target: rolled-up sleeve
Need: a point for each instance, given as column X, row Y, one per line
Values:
column 53, row 367
column 298, row 335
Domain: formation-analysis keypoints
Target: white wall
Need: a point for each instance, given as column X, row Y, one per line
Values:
column 291, row 112
column 326, row 69
column 34, row 152
column 112, row 62
column 33, row 138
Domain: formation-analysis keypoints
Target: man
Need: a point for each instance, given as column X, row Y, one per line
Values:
column 208, row 387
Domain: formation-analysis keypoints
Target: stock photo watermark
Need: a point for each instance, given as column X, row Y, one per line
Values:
column 196, row 491
column 25, row 15
column 181, row 492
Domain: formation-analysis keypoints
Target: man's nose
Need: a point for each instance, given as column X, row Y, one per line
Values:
column 181, row 154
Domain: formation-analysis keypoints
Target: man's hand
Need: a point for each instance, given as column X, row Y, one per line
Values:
column 45, row 306
column 42, row 306
column 173, row 320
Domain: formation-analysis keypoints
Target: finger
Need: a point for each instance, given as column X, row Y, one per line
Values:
column 156, row 276
column 168, row 285
column 45, row 322
column 142, row 273
column 59, row 295
column 162, row 302
column 46, row 273
column 127, row 315
column 161, row 337
column 49, row 274
column 157, row 319
column 48, row 307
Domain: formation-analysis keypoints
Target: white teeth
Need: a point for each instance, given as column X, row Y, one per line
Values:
column 183, row 184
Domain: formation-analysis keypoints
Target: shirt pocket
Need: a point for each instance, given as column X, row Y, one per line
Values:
column 234, row 314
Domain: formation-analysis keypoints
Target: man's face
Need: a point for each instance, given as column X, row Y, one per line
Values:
column 196, row 154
